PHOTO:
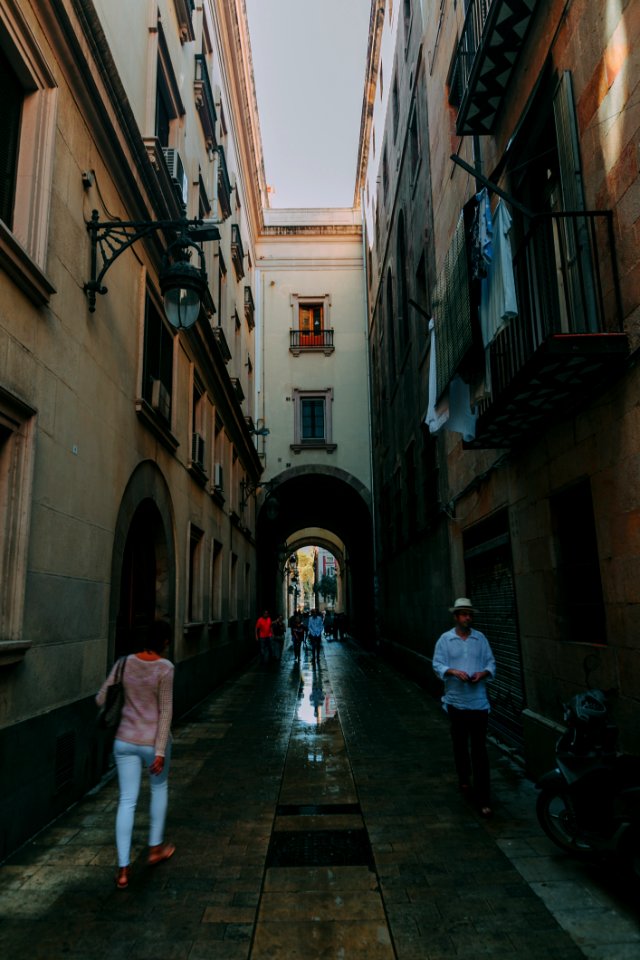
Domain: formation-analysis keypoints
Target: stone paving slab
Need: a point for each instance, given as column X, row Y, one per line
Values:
column 444, row 883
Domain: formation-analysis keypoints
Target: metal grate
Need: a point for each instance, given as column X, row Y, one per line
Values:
column 320, row 848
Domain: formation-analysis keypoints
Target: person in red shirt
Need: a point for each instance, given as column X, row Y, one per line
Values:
column 264, row 635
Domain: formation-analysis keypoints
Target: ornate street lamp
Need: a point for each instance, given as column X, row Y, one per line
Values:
column 182, row 284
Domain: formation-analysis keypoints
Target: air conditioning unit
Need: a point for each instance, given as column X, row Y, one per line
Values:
column 160, row 399
column 197, row 450
column 177, row 172
column 218, row 476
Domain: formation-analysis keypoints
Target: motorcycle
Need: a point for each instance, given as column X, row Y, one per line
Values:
column 590, row 803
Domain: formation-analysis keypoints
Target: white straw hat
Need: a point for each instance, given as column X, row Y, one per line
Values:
column 462, row 603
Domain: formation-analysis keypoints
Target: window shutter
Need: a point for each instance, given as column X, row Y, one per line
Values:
column 568, row 145
column 580, row 291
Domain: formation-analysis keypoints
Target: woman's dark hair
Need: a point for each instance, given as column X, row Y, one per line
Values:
column 159, row 636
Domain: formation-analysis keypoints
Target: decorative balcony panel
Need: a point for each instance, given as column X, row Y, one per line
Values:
column 237, row 387
column 237, row 251
column 204, row 101
column 221, row 340
column 304, row 341
column 224, row 185
column 567, row 338
column 249, row 308
column 492, row 38
column 184, row 13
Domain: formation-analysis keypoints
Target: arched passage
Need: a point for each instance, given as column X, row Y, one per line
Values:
column 325, row 499
column 143, row 570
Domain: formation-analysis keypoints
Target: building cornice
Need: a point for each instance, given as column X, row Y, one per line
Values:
column 376, row 25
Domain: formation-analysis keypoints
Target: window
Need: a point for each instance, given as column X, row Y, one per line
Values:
column 311, row 329
column 17, row 423
column 157, row 365
column 579, row 608
column 27, row 115
column 395, row 104
column 403, row 287
column 216, row 581
column 233, row 588
column 194, row 598
column 414, row 144
column 198, row 427
column 312, row 420
column 391, row 332
column 385, row 173
column 408, row 13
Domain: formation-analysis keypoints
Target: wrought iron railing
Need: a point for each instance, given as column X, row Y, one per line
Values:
column 204, row 99
column 237, row 251
column 567, row 283
column 306, row 340
column 468, row 46
column 249, row 308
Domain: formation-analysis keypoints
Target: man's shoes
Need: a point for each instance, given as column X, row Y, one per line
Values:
column 122, row 878
column 163, row 851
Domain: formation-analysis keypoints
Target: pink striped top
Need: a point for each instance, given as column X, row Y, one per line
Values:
column 148, row 702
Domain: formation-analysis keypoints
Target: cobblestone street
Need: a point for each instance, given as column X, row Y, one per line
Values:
column 316, row 815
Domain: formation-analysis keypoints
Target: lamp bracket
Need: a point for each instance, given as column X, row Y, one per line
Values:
column 251, row 489
column 112, row 237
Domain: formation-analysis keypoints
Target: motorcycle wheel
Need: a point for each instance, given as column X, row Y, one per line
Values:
column 557, row 819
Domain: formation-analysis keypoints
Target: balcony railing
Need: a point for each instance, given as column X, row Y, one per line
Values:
column 303, row 341
column 567, row 336
column 204, row 101
column 224, row 185
column 249, row 308
column 237, row 251
column 492, row 37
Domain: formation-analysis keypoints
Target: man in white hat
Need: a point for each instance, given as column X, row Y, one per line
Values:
column 464, row 661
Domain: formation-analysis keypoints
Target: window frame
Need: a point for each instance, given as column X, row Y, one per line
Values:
column 24, row 243
column 299, row 441
column 18, row 423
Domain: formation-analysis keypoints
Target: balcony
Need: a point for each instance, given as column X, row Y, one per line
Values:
column 237, row 251
column 221, row 340
column 237, row 389
column 204, row 101
column 567, row 338
column 224, row 185
column 305, row 341
column 184, row 13
column 493, row 35
column 249, row 308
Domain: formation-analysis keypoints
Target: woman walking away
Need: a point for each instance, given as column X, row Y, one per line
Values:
column 143, row 739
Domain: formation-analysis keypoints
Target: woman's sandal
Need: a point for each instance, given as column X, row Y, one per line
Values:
column 122, row 878
column 162, row 852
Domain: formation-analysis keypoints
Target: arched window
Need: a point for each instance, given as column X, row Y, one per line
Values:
column 403, row 289
column 391, row 333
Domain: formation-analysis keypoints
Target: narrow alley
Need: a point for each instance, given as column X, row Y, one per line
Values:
column 316, row 815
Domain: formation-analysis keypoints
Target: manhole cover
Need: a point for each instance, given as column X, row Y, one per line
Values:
column 320, row 848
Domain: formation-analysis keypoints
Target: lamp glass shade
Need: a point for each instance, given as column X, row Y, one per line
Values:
column 182, row 287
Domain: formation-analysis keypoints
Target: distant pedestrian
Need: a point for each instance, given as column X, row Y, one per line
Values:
column 279, row 629
column 464, row 661
column 297, row 634
column 315, row 628
column 264, row 636
column 143, row 739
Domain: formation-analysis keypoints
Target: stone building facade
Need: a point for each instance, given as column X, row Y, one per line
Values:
column 532, row 509
column 124, row 444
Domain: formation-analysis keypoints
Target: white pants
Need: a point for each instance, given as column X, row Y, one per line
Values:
column 130, row 759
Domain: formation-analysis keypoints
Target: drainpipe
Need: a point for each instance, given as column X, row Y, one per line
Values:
column 365, row 274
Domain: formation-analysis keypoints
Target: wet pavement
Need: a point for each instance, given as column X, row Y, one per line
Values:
column 317, row 816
